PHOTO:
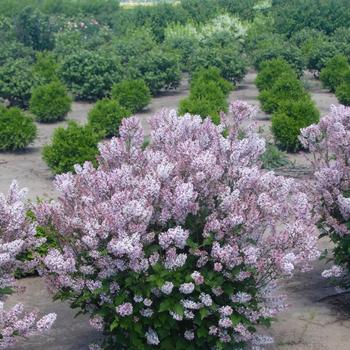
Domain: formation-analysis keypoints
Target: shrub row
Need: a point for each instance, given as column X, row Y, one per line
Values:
column 283, row 95
column 336, row 77
column 208, row 94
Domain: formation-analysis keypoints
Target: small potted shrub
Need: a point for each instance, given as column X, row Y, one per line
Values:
column 50, row 102
column 72, row 145
column 17, row 130
column 106, row 116
column 132, row 94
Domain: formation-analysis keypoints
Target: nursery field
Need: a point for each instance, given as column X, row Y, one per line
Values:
column 174, row 175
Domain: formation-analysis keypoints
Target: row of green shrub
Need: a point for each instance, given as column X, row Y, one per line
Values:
column 283, row 95
column 208, row 94
column 336, row 77
column 50, row 102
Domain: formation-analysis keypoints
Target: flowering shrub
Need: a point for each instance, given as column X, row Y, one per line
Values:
column 17, row 234
column 178, row 243
column 329, row 143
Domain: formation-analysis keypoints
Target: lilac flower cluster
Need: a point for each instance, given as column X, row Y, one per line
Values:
column 189, row 228
column 329, row 142
column 17, row 235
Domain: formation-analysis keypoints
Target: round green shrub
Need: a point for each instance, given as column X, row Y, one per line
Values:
column 16, row 81
column 132, row 94
column 159, row 69
column 106, row 116
column 72, row 145
column 211, row 74
column 45, row 68
column 50, row 102
column 90, row 75
column 16, row 129
column 291, row 116
column 286, row 87
column 206, row 99
column 333, row 74
column 270, row 71
column 343, row 93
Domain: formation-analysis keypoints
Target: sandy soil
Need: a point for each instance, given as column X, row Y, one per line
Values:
column 311, row 322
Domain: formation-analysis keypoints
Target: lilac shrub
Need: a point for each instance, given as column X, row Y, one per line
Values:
column 329, row 142
column 17, row 235
column 180, row 243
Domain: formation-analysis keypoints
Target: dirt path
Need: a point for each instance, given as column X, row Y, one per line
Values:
column 309, row 324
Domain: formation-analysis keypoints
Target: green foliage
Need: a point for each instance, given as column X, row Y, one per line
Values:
column 270, row 71
column 274, row 46
column 343, row 90
column 16, row 129
column 16, row 81
column 90, row 75
column 72, row 145
column 106, row 116
column 50, row 102
column 207, row 95
column 159, row 69
column 291, row 116
column 273, row 158
column 200, row 10
column 134, row 95
column 286, row 87
column 211, row 74
column 34, row 29
column 134, row 44
column 334, row 72
column 227, row 59
column 13, row 50
column 318, row 53
column 45, row 68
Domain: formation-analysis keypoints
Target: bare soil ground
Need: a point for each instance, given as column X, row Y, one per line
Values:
column 313, row 321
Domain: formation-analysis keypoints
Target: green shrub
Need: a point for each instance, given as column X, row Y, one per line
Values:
column 293, row 115
column 16, row 81
column 45, row 68
column 106, row 116
column 34, row 29
column 90, row 75
column 333, row 73
column 212, row 74
column 206, row 99
column 287, row 87
column 270, row 71
column 50, row 102
column 278, row 47
column 227, row 59
column 72, row 145
column 159, row 69
column 318, row 53
column 13, row 50
column 343, row 91
column 132, row 94
column 16, row 129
